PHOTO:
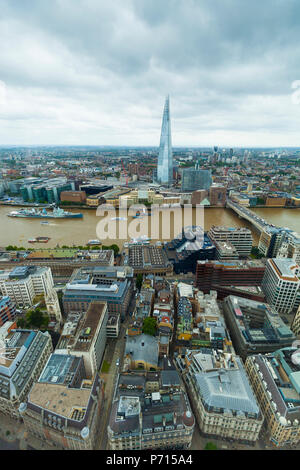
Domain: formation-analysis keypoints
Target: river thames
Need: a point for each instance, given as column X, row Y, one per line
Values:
column 17, row 231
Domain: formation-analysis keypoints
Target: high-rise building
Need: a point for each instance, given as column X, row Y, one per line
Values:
column 255, row 327
column 165, row 157
column 7, row 310
column 217, row 195
column 212, row 274
column 24, row 283
column 89, row 340
column 23, row 354
column 281, row 284
column 193, row 179
column 240, row 238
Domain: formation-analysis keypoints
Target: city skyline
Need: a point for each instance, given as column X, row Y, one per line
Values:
column 104, row 86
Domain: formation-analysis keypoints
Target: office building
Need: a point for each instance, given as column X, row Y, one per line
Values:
column 225, row 251
column 46, row 190
column 271, row 240
column 199, row 197
column 7, row 310
column 73, row 196
column 108, row 284
column 240, row 238
column 23, row 354
column 224, row 404
column 24, row 283
column 113, row 326
column 255, row 327
column 281, row 284
column 148, row 259
column 290, row 247
column 275, row 380
column 295, row 326
column 211, row 274
column 150, row 411
column 165, row 157
column 193, row 179
column 89, row 338
column 217, row 195
column 184, row 251
column 63, row 408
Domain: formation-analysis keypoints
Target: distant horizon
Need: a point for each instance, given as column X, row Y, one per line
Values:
column 205, row 147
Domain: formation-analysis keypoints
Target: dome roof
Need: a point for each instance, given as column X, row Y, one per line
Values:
column 188, row 418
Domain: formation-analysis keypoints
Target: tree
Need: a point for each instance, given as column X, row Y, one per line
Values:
column 255, row 253
column 113, row 247
column 37, row 319
column 139, row 281
column 210, row 446
column 149, row 326
column 21, row 323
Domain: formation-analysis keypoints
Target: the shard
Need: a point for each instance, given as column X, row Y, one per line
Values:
column 165, row 157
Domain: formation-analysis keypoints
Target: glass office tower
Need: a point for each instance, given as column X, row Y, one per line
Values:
column 193, row 179
column 165, row 157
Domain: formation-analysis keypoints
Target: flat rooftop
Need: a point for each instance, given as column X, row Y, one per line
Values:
column 93, row 317
column 60, row 369
column 60, row 399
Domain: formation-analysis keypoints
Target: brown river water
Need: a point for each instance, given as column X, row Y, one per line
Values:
column 17, row 231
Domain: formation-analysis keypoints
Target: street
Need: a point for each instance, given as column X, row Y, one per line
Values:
column 114, row 351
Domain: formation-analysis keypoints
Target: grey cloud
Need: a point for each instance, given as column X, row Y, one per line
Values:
column 106, row 66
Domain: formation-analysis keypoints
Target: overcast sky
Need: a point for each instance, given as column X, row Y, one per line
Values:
column 96, row 72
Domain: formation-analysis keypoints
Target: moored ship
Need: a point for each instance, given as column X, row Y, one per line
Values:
column 94, row 242
column 57, row 213
column 39, row 240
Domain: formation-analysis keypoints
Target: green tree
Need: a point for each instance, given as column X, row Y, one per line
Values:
column 139, row 281
column 149, row 326
column 255, row 253
column 113, row 247
column 36, row 319
column 21, row 323
column 210, row 446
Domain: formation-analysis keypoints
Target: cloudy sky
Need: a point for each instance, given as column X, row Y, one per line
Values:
column 96, row 72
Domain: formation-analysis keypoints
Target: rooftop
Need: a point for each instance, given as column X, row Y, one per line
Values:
column 60, row 399
column 142, row 348
column 60, row 369
column 93, row 317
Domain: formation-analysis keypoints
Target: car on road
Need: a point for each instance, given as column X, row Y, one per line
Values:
column 117, row 362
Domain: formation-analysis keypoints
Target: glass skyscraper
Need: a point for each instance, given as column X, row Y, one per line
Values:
column 193, row 179
column 165, row 157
